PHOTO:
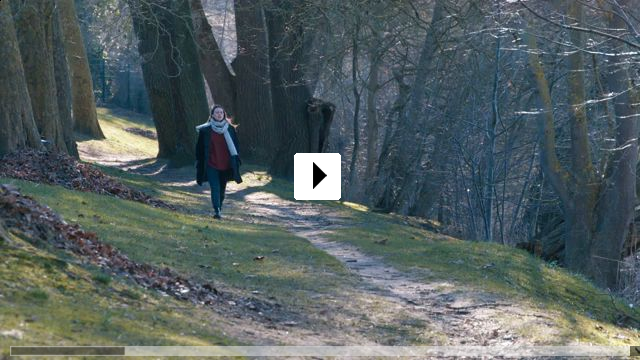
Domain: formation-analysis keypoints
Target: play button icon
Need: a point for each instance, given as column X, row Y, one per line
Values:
column 317, row 176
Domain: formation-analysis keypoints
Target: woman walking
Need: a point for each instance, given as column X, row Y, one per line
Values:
column 217, row 156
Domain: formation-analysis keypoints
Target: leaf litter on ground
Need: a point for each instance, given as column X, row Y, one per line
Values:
column 41, row 226
column 60, row 169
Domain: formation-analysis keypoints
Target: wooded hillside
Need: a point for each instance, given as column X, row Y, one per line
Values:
column 504, row 121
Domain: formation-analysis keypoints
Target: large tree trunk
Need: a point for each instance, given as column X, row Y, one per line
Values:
column 289, row 45
column 619, row 192
column 435, row 176
column 414, row 136
column 63, row 86
column 577, row 205
column 172, row 75
column 319, row 116
column 254, row 103
column 275, row 73
column 584, row 189
column 188, row 89
column 34, row 29
column 594, row 236
column 154, row 70
column 215, row 70
column 84, row 104
column 17, row 127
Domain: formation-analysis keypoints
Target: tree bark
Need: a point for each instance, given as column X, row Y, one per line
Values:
column 320, row 116
column 594, row 237
column 584, row 188
column 275, row 73
column 558, row 177
column 288, row 46
column 382, row 189
column 34, row 30
column 17, row 126
column 171, row 74
column 619, row 191
column 63, row 86
column 434, row 177
column 154, row 69
column 191, row 107
column 84, row 103
column 212, row 63
column 254, row 99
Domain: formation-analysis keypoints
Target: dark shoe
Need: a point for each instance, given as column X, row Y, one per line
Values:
column 217, row 216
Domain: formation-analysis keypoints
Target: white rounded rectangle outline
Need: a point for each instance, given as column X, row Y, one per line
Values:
column 330, row 188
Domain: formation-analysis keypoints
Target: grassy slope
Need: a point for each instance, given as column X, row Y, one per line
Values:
column 587, row 313
column 189, row 242
column 195, row 246
column 52, row 300
column 119, row 142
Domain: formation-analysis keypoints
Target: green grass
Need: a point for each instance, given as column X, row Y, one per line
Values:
column 176, row 194
column 118, row 142
column 101, row 278
column 199, row 247
column 512, row 274
column 51, row 300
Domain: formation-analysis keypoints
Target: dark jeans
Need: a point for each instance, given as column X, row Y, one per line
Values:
column 218, row 184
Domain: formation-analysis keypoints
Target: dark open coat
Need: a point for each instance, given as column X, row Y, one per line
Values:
column 202, row 156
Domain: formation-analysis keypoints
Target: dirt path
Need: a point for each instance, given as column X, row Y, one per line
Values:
column 386, row 307
column 464, row 316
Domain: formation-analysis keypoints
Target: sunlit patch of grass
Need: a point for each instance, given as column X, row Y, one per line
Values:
column 257, row 177
column 119, row 144
column 355, row 206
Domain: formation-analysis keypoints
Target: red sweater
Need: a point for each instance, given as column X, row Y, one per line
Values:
column 219, row 157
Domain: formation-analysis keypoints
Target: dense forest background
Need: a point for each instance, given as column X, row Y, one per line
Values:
column 504, row 121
